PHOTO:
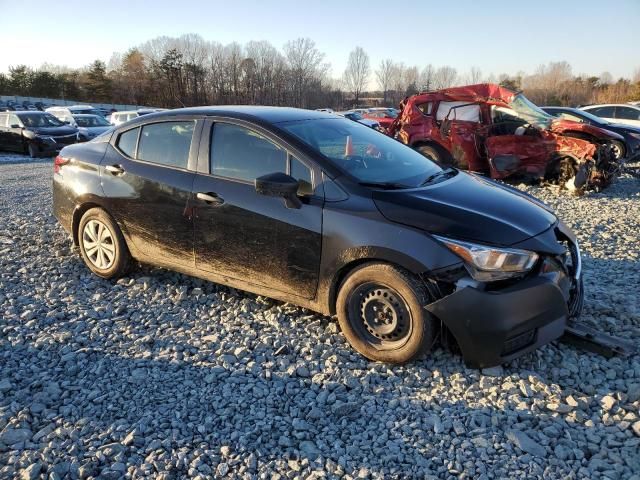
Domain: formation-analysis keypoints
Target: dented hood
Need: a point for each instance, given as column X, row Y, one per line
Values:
column 467, row 207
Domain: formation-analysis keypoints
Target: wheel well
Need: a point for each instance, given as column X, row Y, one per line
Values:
column 77, row 215
column 347, row 269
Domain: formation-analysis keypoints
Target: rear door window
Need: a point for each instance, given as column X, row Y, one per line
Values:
column 127, row 142
column 606, row 112
column 627, row 113
column 462, row 111
column 166, row 143
column 243, row 154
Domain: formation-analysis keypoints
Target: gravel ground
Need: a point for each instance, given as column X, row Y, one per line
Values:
column 164, row 376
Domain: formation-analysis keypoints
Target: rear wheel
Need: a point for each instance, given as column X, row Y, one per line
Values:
column 102, row 245
column 381, row 313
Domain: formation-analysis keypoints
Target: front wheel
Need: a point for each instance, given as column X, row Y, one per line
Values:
column 381, row 313
column 618, row 150
column 32, row 150
column 102, row 244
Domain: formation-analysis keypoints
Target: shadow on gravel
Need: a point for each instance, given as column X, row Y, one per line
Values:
column 381, row 424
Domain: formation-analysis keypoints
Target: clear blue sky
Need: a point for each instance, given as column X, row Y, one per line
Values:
column 499, row 36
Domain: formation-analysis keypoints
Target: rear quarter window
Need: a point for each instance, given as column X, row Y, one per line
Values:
column 127, row 142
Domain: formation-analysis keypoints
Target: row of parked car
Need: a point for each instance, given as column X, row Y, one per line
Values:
column 45, row 132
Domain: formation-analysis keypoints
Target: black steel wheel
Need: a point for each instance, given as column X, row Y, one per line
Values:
column 381, row 312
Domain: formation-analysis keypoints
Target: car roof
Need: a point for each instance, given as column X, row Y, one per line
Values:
column 247, row 112
column 610, row 105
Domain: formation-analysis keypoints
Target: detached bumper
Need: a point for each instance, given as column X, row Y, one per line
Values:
column 493, row 327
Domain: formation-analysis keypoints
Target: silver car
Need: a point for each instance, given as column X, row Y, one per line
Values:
column 90, row 126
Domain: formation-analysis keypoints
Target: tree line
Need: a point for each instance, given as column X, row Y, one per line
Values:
column 189, row 70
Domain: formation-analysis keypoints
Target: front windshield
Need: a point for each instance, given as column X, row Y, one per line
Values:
column 39, row 120
column 91, row 121
column 530, row 112
column 367, row 155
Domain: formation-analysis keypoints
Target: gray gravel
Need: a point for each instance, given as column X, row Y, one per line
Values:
column 164, row 376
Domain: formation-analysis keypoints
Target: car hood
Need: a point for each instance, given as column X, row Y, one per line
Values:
column 56, row 131
column 368, row 122
column 561, row 125
column 467, row 207
column 95, row 130
column 623, row 126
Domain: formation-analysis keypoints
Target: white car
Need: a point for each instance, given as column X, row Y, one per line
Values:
column 616, row 113
column 65, row 114
column 117, row 118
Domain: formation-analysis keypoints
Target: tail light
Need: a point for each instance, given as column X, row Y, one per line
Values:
column 58, row 162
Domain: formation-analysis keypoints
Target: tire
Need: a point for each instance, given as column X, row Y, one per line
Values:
column 381, row 313
column 32, row 150
column 102, row 244
column 618, row 150
column 430, row 152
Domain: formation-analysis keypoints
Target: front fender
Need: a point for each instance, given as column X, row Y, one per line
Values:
column 371, row 237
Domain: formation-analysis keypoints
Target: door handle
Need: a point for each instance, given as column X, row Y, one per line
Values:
column 114, row 169
column 210, row 198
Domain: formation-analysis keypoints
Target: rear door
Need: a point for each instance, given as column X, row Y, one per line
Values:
column 606, row 112
column 628, row 115
column 146, row 175
column 250, row 237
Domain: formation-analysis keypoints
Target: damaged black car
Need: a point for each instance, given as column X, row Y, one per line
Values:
column 313, row 209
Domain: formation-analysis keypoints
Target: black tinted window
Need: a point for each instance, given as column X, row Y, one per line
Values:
column 166, row 143
column 602, row 111
column 127, row 142
column 627, row 113
column 302, row 173
column 237, row 152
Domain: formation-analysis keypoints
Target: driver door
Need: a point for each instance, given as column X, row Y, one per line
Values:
column 250, row 237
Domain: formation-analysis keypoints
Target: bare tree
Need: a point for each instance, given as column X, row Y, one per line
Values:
column 427, row 77
column 305, row 62
column 384, row 75
column 357, row 72
column 475, row 75
column 444, row 77
column 410, row 81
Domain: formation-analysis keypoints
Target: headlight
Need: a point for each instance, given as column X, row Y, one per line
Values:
column 487, row 263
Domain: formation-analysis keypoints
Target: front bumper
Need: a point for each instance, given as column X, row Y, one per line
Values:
column 493, row 327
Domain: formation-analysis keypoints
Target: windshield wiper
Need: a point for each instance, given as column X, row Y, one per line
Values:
column 384, row 185
column 446, row 173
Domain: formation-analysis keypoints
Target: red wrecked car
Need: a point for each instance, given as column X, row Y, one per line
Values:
column 492, row 130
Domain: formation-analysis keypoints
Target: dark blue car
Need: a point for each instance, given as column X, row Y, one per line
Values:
column 631, row 147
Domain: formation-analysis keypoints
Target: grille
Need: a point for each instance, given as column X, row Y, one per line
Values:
column 66, row 140
column 518, row 342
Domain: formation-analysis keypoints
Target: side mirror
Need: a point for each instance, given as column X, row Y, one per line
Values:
column 279, row 185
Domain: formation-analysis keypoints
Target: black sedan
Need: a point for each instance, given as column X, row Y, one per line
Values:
column 328, row 214
column 631, row 134
column 35, row 133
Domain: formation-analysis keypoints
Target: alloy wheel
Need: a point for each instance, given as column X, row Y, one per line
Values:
column 99, row 245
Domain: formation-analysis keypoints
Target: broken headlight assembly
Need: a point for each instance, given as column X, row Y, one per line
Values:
column 487, row 264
